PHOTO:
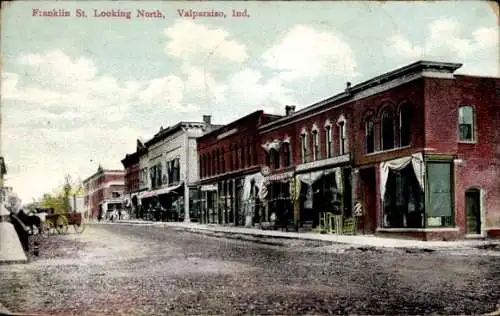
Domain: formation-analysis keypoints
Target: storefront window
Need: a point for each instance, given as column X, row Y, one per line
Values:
column 403, row 202
column 439, row 203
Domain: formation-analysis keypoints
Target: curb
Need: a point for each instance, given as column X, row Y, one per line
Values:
column 253, row 236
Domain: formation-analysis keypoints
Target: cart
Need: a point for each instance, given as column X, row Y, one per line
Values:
column 59, row 223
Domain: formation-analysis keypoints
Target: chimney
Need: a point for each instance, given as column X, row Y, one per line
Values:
column 207, row 119
column 289, row 109
column 348, row 87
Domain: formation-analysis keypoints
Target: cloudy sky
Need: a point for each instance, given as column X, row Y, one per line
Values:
column 77, row 92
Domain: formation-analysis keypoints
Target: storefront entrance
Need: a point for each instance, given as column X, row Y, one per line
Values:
column 368, row 222
column 473, row 209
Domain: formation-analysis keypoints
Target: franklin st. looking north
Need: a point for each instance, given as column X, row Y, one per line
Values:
column 140, row 13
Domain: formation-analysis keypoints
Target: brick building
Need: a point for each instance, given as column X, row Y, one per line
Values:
column 230, row 160
column 104, row 191
column 132, row 178
column 378, row 143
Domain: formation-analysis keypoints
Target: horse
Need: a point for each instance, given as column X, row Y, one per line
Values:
column 30, row 221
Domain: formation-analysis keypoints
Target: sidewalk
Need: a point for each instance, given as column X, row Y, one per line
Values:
column 356, row 240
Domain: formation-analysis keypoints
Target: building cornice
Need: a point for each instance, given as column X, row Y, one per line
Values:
column 370, row 87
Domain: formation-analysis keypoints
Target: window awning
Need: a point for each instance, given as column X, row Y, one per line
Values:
column 280, row 176
column 161, row 191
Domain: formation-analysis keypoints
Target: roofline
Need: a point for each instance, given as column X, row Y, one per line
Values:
column 230, row 124
column 169, row 131
column 378, row 80
column 103, row 171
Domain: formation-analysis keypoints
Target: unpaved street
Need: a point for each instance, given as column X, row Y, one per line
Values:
column 145, row 269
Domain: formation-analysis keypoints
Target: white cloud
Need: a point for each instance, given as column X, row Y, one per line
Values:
column 248, row 89
column 446, row 41
column 305, row 52
column 166, row 91
column 187, row 39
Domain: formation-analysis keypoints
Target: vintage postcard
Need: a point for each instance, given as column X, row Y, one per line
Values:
column 250, row 157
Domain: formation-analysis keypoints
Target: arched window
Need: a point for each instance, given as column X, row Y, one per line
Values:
column 287, row 155
column 328, row 140
column 230, row 152
column 315, row 137
column 209, row 165
column 214, row 162
column 342, row 137
column 405, row 124
column 202, row 166
column 275, row 157
column 267, row 159
column 370, row 135
column 466, row 123
column 222, row 161
column 243, row 157
column 387, row 130
column 303, row 146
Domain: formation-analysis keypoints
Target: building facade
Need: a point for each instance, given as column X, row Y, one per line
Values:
column 168, row 172
column 104, row 192
column 230, row 160
column 308, row 156
column 131, row 163
column 415, row 152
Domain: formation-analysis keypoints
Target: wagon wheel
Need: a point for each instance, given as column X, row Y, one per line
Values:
column 79, row 227
column 48, row 228
column 62, row 224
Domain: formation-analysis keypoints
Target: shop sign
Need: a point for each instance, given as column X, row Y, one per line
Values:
column 265, row 171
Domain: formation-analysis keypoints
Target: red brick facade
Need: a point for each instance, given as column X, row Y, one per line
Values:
column 412, row 113
column 131, row 165
column 101, row 186
column 234, row 148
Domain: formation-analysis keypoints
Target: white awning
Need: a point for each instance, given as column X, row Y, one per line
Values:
column 161, row 191
column 209, row 187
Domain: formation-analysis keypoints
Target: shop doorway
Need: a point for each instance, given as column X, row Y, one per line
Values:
column 369, row 200
column 473, row 209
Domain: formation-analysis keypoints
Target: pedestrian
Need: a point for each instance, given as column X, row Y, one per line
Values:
column 273, row 220
column 119, row 214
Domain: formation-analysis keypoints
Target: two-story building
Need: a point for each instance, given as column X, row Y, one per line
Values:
column 427, row 152
column 169, row 170
column 104, row 192
column 132, row 178
column 419, row 146
column 230, row 160
column 308, row 156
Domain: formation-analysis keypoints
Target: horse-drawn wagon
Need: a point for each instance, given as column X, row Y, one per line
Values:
column 60, row 223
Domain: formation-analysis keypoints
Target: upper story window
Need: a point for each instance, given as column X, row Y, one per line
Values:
column 243, row 157
column 222, row 161
column 342, row 137
column 405, row 124
column 287, row 155
column 231, row 160
column 370, row 135
column 315, row 136
column 159, row 173
column 173, row 171
column 275, row 158
column 303, row 147
column 267, row 159
column 466, row 123
column 254, row 152
column 387, row 132
column 328, row 138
